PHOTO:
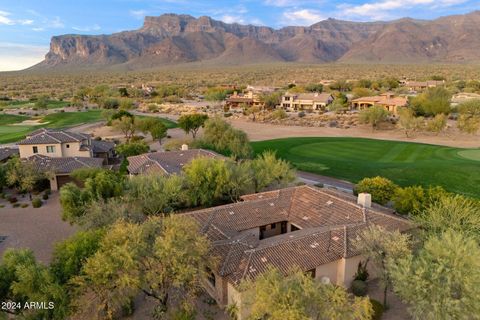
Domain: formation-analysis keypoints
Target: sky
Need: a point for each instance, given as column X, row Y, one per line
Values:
column 26, row 26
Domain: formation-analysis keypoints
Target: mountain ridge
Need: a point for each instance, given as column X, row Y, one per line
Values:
column 174, row 39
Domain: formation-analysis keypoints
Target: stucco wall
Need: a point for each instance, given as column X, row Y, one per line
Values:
column 74, row 150
column 327, row 270
column 27, row 150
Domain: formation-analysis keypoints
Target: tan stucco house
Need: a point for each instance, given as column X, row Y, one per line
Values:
column 308, row 102
column 59, row 152
column 251, row 96
column 389, row 101
column 303, row 226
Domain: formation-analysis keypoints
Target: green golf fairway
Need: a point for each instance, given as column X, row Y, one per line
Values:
column 405, row 163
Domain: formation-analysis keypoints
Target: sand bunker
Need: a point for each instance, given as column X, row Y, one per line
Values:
column 30, row 123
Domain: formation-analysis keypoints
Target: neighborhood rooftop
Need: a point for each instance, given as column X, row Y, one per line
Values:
column 169, row 162
column 64, row 164
column 52, row 136
column 325, row 223
column 7, row 152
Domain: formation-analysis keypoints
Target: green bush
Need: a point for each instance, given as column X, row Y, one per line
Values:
column 16, row 205
column 381, row 189
column 24, row 205
column 377, row 309
column 359, row 288
column 45, row 196
column 36, row 203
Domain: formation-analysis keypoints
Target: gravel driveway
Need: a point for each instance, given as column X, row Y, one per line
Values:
column 38, row 229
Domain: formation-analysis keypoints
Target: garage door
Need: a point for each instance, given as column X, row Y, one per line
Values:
column 62, row 180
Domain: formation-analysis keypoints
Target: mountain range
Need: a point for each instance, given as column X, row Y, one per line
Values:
column 174, row 39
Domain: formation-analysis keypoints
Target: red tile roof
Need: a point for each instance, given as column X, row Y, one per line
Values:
column 328, row 220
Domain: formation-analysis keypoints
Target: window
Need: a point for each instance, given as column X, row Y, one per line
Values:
column 35, row 149
column 211, row 277
column 68, row 146
column 273, row 226
column 50, row 149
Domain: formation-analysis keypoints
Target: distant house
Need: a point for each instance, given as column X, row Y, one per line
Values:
column 387, row 100
column 168, row 162
column 309, row 102
column 306, row 227
column 59, row 143
column 463, row 97
column 58, row 169
column 251, row 96
column 415, row 86
column 7, row 153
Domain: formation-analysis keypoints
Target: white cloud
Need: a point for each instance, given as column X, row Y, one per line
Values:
column 386, row 9
column 38, row 29
column 227, row 18
column 56, row 23
column 94, row 27
column 15, row 56
column 302, row 17
column 138, row 14
column 4, row 19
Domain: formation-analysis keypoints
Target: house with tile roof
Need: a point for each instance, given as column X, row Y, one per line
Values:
column 309, row 102
column 306, row 227
column 168, row 162
column 60, row 152
column 251, row 96
column 388, row 100
column 60, row 143
column 58, row 169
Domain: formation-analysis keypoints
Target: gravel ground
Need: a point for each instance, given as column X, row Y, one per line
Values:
column 38, row 229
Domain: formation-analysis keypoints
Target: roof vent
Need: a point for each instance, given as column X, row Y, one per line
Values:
column 329, row 203
column 365, row 200
column 184, row 147
column 305, row 218
column 232, row 213
column 272, row 204
column 263, row 259
column 335, row 238
column 314, row 245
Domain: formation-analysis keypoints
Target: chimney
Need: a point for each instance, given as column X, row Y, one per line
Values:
column 365, row 200
column 184, row 147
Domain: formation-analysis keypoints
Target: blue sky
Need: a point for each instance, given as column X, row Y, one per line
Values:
column 26, row 26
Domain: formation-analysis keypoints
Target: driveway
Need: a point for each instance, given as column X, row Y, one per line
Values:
column 38, row 229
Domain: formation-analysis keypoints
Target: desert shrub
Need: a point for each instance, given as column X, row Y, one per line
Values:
column 36, row 203
column 45, row 196
column 377, row 309
column 301, row 114
column 16, row 205
column 359, row 288
column 381, row 189
column 279, row 114
column 12, row 199
column 24, row 205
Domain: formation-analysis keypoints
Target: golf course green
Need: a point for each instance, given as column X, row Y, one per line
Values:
column 12, row 128
column 405, row 163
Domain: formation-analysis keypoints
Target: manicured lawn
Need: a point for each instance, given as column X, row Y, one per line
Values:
column 168, row 123
column 457, row 170
column 51, row 104
column 11, row 133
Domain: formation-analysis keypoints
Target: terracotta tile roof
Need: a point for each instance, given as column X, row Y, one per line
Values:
column 316, row 97
column 102, row 146
column 52, row 136
column 328, row 220
column 169, row 162
column 65, row 164
column 383, row 100
column 7, row 152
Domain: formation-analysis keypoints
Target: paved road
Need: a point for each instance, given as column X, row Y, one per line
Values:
column 312, row 178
